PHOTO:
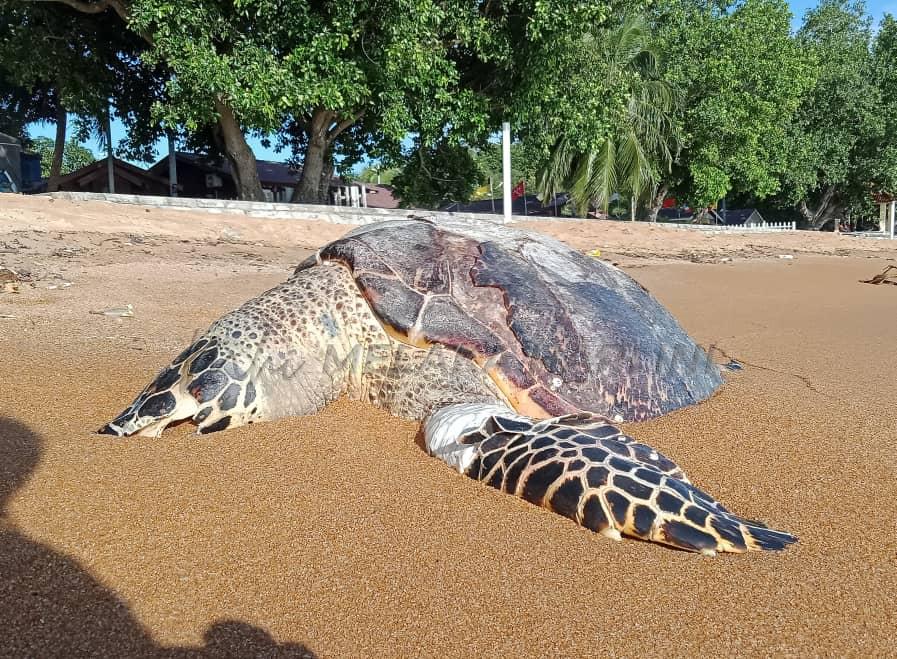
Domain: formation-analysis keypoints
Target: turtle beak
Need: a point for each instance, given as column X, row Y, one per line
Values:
column 151, row 413
column 111, row 429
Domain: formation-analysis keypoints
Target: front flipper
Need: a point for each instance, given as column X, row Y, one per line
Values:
column 583, row 467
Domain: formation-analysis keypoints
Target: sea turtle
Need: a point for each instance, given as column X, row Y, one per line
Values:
column 518, row 352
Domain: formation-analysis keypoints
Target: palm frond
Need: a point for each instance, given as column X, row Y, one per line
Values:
column 645, row 142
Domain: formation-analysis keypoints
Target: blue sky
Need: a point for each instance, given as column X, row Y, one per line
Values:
column 876, row 8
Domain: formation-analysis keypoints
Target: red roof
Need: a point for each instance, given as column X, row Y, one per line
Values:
column 381, row 196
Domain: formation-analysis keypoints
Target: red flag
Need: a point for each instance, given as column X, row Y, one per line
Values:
column 518, row 191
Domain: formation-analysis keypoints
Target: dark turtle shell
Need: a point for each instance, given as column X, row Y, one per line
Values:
column 556, row 330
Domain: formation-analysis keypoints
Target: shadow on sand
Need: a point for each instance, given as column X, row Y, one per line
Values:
column 52, row 607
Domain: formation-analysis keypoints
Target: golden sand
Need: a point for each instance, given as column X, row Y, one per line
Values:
column 335, row 535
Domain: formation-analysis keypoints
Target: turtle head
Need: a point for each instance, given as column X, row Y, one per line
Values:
column 164, row 401
column 200, row 384
column 150, row 413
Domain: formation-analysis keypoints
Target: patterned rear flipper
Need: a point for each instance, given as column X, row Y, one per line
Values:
column 584, row 468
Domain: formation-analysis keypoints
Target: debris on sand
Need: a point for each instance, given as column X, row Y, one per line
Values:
column 228, row 235
column 67, row 252
column 886, row 276
column 10, row 280
column 126, row 311
column 9, row 275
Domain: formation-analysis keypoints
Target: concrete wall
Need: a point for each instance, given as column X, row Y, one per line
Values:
column 334, row 214
column 10, row 159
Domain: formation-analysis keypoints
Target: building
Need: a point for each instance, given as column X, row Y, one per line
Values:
column 10, row 164
column 204, row 177
column 31, row 174
column 129, row 179
column 748, row 217
column 887, row 214
column 380, row 196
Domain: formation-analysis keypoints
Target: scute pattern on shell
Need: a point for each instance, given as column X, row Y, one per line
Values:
column 558, row 331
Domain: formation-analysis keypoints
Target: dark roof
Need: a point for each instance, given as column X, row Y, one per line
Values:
column 277, row 173
column 271, row 173
column 532, row 206
column 124, row 169
column 737, row 216
column 381, row 196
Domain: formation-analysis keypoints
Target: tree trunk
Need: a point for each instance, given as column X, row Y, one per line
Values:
column 310, row 189
column 326, row 175
column 241, row 158
column 58, row 149
column 632, row 207
column 657, row 202
column 317, row 165
column 826, row 210
column 313, row 165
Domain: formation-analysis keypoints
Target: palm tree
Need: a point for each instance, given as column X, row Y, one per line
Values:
column 633, row 157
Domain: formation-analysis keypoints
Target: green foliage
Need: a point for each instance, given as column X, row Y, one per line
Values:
column 66, row 59
column 447, row 72
column 435, row 175
column 20, row 106
column 883, row 156
column 742, row 77
column 632, row 156
column 74, row 156
column 378, row 174
column 526, row 158
column 835, row 136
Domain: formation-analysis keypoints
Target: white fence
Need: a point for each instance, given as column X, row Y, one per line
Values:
column 764, row 227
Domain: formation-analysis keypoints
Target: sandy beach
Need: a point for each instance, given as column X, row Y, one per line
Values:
column 335, row 535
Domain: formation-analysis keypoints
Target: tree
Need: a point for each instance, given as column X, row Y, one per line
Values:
column 526, row 158
column 436, row 175
column 84, row 61
column 641, row 144
column 74, row 155
column 330, row 66
column 206, row 106
column 20, row 106
column 342, row 78
column 378, row 174
column 884, row 63
column 835, row 134
column 742, row 77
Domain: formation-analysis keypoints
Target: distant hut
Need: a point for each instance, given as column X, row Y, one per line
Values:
column 887, row 213
column 747, row 217
column 10, row 164
column 203, row 176
column 129, row 179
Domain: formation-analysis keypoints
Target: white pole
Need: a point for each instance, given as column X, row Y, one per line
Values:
column 364, row 195
column 172, row 167
column 110, row 164
column 506, row 168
